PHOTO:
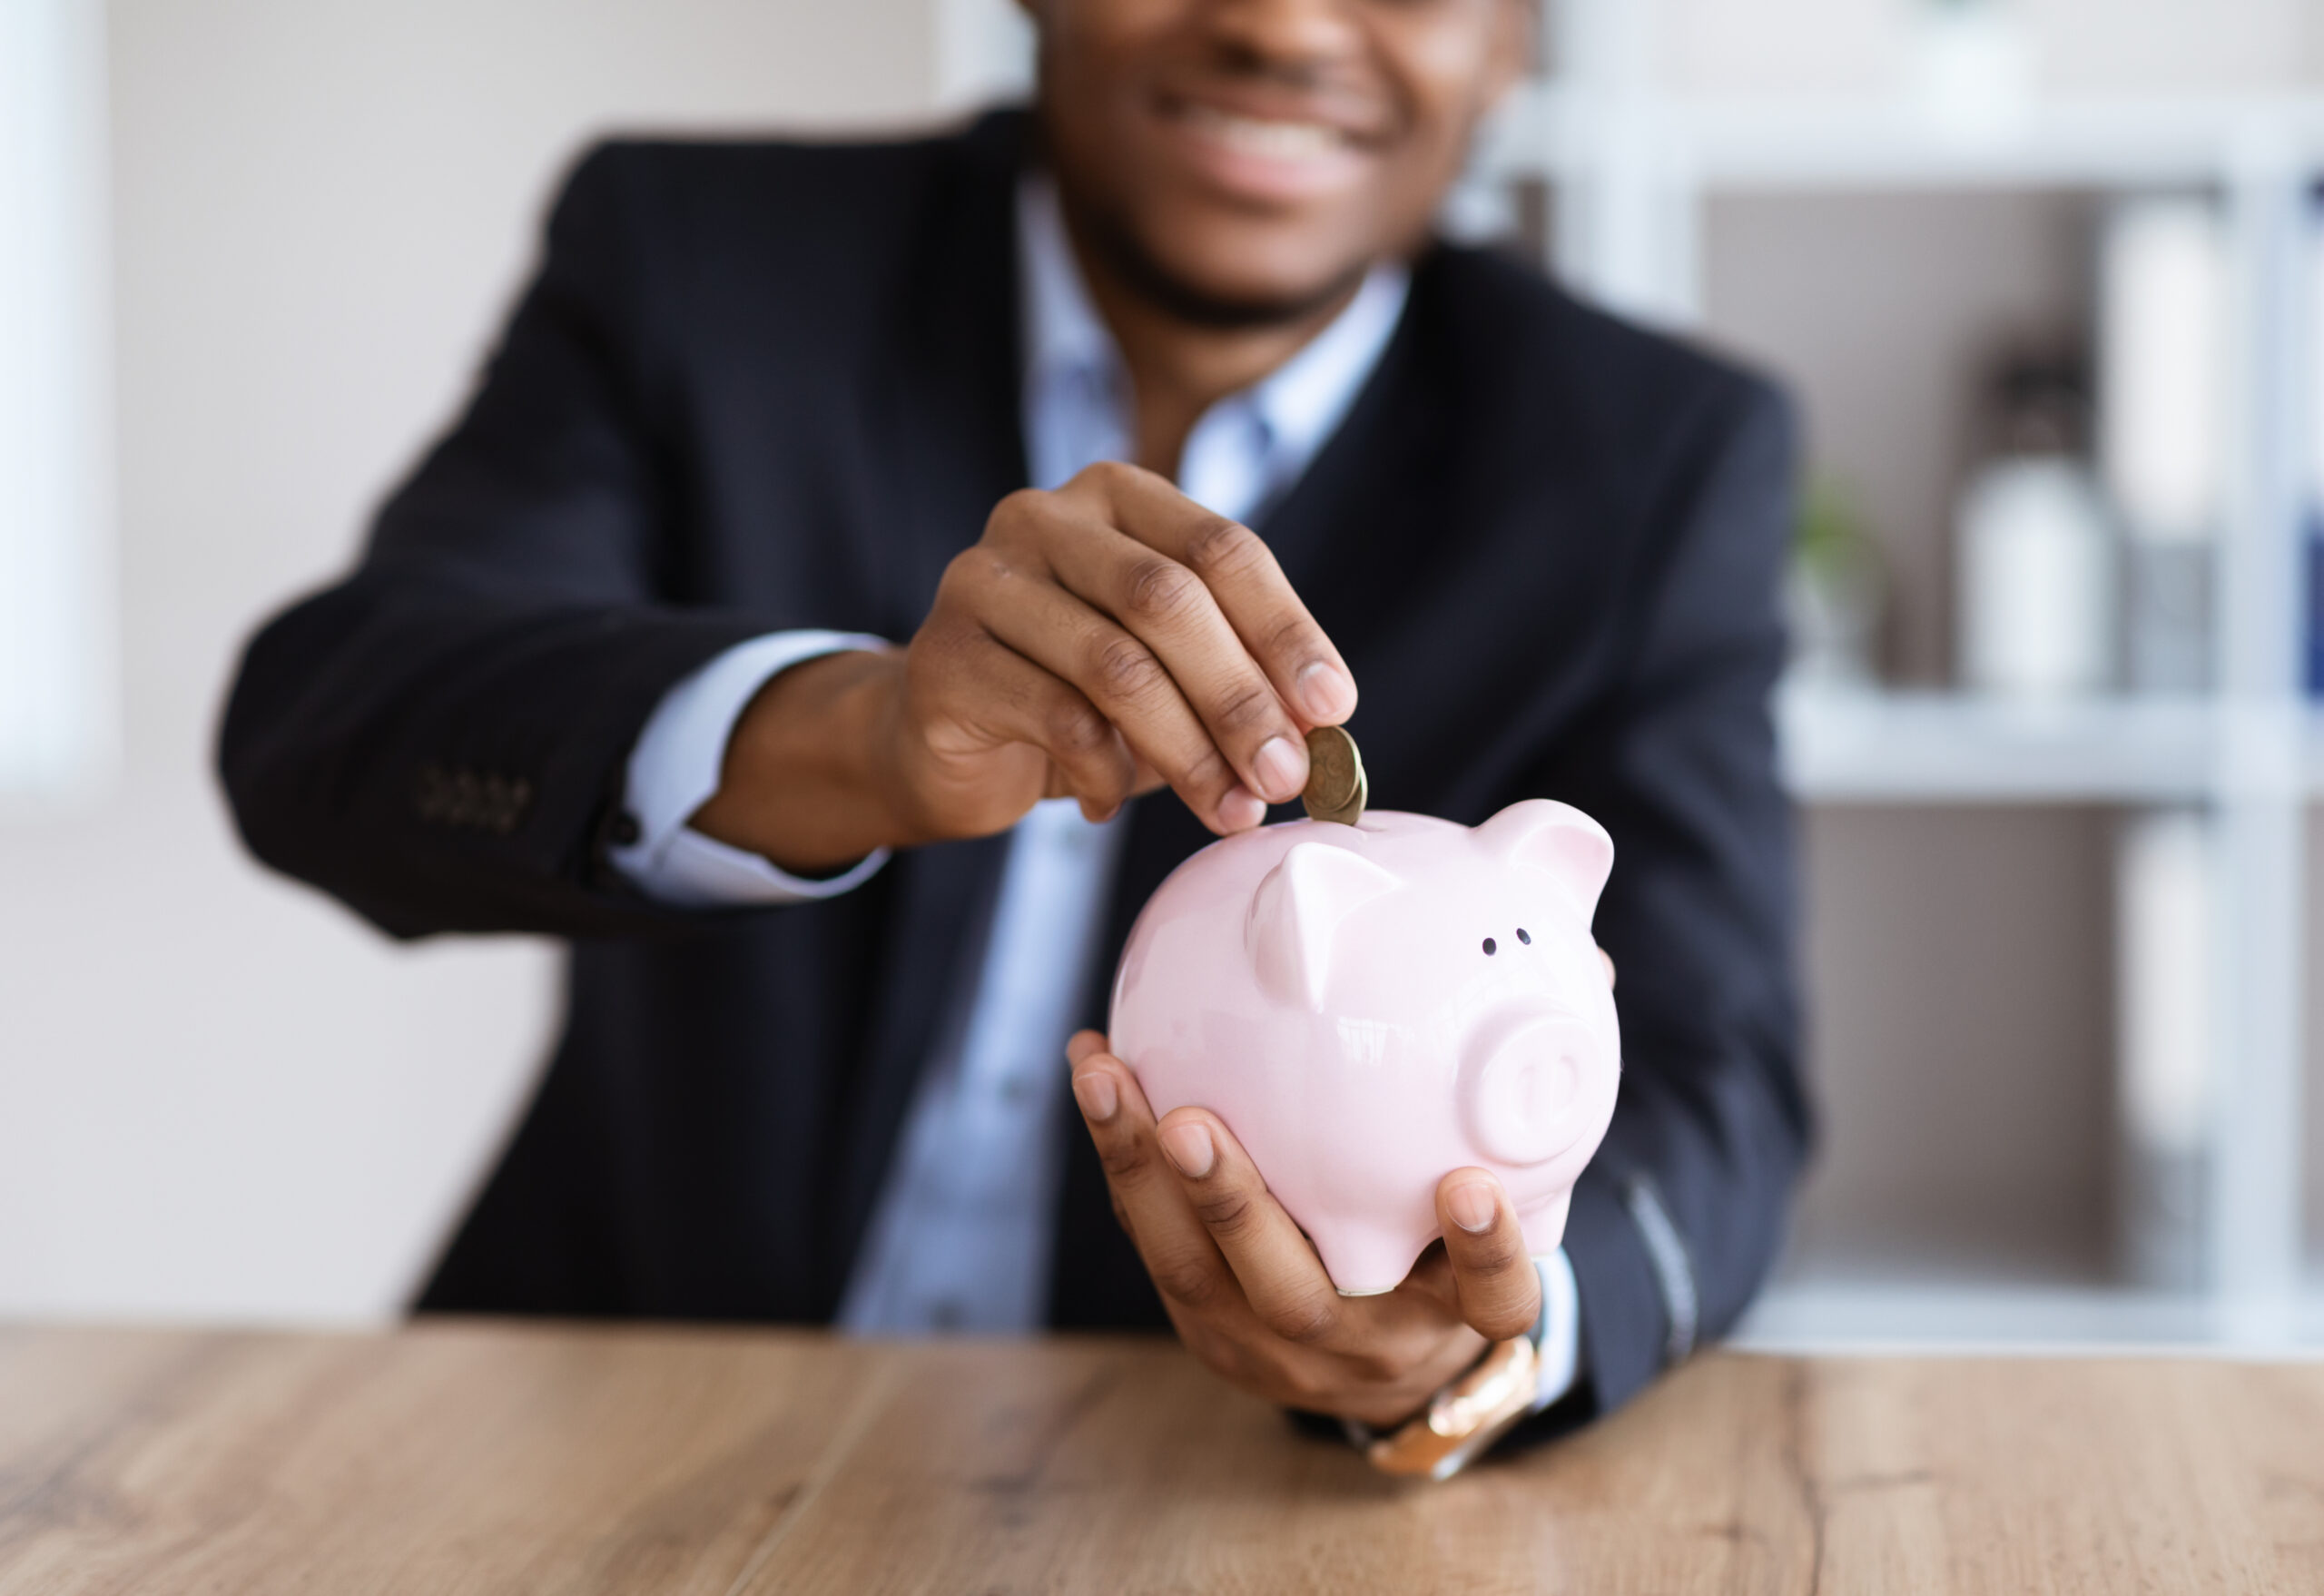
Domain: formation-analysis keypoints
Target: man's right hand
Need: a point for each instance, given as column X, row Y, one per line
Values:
column 1098, row 641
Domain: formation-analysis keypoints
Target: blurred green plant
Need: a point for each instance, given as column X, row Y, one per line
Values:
column 1836, row 585
column 1831, row 535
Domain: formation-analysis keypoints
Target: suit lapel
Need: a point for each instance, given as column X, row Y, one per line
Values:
column 952, row 436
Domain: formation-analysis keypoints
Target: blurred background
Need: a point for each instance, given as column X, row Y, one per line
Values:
column 2047, row 275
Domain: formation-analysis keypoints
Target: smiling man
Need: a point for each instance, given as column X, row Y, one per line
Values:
column 865, row 571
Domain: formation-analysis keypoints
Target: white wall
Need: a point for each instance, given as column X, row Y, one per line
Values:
column 218, row 1093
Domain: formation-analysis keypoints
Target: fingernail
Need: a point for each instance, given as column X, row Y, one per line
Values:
column 1095, row 1092
column 1281, row 771
column 1189, row 1148
column 1241, row 809
column 1472, row 1205
column 1326, row 691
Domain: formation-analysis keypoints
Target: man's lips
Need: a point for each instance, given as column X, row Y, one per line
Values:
column 1273, row 138
column 1267, row 157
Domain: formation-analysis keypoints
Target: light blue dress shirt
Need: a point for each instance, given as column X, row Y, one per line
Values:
column 959, row 1238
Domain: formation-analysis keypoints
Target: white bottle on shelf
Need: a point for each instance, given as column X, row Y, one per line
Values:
column 2036, row 608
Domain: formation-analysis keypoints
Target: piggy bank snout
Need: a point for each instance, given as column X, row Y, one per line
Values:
column 1525, row 1087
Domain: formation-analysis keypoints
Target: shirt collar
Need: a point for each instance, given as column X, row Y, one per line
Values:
column 1304, row 399
column 1298, row 404
column 1064, row 337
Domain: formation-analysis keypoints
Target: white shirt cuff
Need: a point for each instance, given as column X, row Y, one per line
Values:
column 1557, row 1334
column 674, row 768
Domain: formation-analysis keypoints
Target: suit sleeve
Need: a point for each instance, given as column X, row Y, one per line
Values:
column 439, row 739
column 1676, row 1220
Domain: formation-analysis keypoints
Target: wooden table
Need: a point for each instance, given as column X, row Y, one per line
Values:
column 481, row 1458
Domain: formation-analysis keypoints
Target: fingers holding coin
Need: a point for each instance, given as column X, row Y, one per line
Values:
column 1240, row 572
column 1178, row 625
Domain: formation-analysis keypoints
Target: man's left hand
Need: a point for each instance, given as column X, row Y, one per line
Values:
column 1246, row 1289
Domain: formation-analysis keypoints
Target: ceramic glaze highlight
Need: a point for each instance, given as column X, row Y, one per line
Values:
column 1371, row 1007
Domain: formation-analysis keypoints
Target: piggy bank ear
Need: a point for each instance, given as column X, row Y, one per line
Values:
column 1297, row 912
column 1555, row 837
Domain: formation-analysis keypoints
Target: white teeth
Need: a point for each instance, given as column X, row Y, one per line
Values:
column 1278, row 141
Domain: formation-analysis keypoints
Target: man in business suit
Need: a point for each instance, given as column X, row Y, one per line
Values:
column 849, row 544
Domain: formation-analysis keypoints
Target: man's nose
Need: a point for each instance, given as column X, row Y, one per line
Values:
column 1291, row 38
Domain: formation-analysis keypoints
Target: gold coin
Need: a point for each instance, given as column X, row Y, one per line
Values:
column 1336, row 788
column 1348, row 814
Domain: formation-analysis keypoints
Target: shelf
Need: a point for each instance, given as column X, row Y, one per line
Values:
column 1945, row 748
column 1559, row 130
column 1828, row 1318
column 1925, row 747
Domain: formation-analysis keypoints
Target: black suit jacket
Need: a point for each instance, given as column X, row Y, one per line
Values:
column 760, row 386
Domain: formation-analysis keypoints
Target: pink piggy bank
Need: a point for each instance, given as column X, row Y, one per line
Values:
column 1371, row 1007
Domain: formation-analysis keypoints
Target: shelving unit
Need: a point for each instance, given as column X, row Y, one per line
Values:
column 1631, row 169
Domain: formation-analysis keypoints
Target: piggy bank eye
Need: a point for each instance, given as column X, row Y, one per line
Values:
column 1489, row 949
column 1523, row 938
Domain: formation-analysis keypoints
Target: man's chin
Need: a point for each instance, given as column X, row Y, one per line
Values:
column 1213, row 300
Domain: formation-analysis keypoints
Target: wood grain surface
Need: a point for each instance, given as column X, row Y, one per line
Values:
column 462, row 1458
